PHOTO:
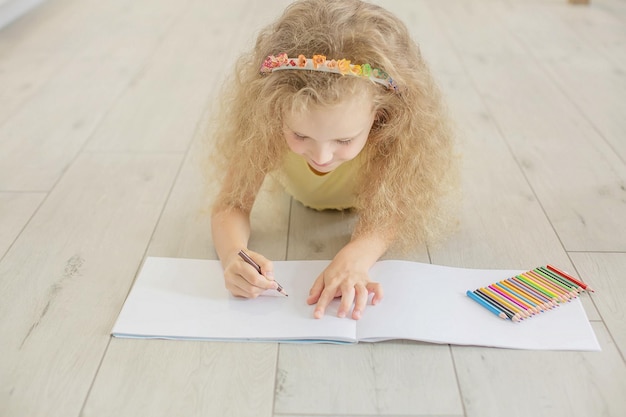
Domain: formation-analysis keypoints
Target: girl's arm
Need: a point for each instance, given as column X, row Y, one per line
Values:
column 230, row 229
column 348, row 276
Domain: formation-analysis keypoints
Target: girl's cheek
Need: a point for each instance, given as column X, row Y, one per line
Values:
column 350, row 152
column 296, row 146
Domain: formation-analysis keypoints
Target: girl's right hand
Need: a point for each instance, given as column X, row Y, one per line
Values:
column 243, row 280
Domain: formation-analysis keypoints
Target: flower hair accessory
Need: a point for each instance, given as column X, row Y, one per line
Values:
column 320, row 63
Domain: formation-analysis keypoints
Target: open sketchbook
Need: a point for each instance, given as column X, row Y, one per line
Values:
column 186, row 299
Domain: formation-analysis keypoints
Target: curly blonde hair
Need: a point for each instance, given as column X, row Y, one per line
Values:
column 409, row 160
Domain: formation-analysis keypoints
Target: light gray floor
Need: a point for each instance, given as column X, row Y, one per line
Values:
column 103, row 109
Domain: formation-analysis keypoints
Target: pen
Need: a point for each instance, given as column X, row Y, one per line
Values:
column 256, row 266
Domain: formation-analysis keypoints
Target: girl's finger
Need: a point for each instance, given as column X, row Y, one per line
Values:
column 377, row 290
column 360, row 301
column 324, row 299
column 241, row 286
column 347, row 297
column 316, row 290
column 252, row 277
column 267, row 267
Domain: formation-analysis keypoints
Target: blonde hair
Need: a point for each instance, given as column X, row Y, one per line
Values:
column 408, row 157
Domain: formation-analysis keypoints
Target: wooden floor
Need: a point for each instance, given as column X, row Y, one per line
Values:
column 103, row 108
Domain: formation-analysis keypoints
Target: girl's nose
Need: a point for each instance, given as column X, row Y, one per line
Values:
column 322, row 154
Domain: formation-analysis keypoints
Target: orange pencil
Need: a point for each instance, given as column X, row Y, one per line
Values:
column 533, row 284
column 539, row 305
column 569, row 293
column 510, row 314
column 521, row 297
column 560, row 293
column 514, row 297
column 531, row 293
column 519, row 279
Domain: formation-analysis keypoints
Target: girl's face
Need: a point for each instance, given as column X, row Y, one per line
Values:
column 328, row 136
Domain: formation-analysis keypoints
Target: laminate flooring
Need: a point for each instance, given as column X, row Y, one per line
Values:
column 104, row 107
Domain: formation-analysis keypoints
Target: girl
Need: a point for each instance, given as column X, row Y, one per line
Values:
column 337, row 103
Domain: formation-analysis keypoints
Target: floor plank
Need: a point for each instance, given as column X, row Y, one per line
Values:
column 30, row 60
column 391, row 378
column 64, row 280
column 166, row 101
column 104, row 115
column 605, row 273
column 39, row 141
column 503, row 224
column 166, row 378
column 580, row 185
column 16, row 210
column 587, row 72
column 558, row 384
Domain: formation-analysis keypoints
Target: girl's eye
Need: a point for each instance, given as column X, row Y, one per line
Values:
column 299, row 137
column 344, row 142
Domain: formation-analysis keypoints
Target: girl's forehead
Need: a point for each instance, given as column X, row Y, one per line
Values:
column 348, row 117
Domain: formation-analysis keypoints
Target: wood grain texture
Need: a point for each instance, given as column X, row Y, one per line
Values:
column 390, row 378
column 64, row 280
column 40, row 140
column 167, row 378
column 30, row 60
column 165, row 103
column 580, row 184
column 105, row 116
column 559, row 384
column 587, row 69
column 16, row 210
column 605, row 273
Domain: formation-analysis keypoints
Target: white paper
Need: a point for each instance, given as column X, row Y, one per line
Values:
column 186, row 299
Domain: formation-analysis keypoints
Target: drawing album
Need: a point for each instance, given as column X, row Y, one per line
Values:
column 176, row 298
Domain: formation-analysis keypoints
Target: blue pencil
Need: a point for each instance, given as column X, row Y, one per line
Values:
column 486, row 305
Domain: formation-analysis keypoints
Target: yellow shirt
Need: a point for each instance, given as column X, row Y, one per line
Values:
column 334, row 190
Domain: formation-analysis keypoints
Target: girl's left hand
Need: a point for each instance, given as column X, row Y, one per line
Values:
column 347, row 279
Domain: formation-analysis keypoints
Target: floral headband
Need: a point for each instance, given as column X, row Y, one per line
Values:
column 320, row 63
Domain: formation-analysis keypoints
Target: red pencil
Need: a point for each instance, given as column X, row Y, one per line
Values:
column 569, row 277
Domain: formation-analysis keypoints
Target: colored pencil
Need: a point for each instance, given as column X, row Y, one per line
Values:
column 511, row 315
column 492, row 294
column 519, row 297
column 547, row 293
column 509, row 297
column 564, row 281
column 494, row 303
column 537, row 304
column 561, row 282
column 488, row 306
column 529, row 293
column 567, row 291
column 558, row 291
column 520, row 286
column 571, row 278
column 546, row 300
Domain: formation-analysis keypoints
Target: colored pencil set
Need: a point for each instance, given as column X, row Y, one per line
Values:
column 529, row 293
